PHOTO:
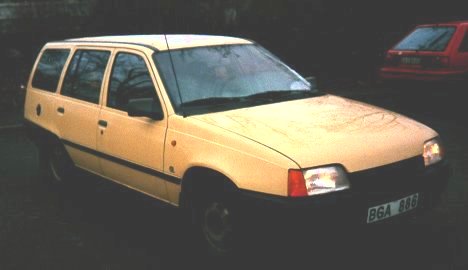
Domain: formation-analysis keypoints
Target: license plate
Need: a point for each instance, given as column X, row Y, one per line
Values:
column 391, row 209
column 411, row 60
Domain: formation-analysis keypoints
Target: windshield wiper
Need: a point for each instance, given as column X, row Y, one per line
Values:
column 282, row 93
column 254, row 99
column 211, row 101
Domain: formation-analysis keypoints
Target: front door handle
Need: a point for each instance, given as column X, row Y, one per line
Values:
column 61, row 109
column 102, row 123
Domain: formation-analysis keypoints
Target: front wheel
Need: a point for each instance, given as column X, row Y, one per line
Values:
column 215, row 218
column 217, row 226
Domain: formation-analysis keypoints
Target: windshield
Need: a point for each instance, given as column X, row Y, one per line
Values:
column 427, row 39
column 227, row 75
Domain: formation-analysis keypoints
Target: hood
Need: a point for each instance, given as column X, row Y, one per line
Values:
column 328, row 130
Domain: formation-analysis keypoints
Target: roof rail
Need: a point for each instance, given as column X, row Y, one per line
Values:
column 112, row 42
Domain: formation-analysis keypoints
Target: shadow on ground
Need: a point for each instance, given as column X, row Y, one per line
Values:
column 94, row 224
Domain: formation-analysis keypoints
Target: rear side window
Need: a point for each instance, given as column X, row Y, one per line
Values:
column 464, row 44
column 130, row 79
column 49, row 69
column 427, row 39
column 84, row 75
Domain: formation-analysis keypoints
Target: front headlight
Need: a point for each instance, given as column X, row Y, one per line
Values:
column 317, row 181
column 432, row 152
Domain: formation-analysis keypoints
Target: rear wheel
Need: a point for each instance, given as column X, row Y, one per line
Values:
column 56, row 165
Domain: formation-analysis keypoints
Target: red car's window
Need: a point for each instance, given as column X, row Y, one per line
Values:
column 427, row 39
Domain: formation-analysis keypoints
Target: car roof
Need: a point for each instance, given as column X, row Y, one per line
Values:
column 452, row 23
column 159, row 41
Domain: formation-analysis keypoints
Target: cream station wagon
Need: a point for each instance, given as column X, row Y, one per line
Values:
column 219, row 125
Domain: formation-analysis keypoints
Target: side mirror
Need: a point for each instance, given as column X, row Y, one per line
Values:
column 145, row 107
column 313, row 82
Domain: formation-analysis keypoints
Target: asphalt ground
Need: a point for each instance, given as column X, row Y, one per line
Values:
column 95, row 224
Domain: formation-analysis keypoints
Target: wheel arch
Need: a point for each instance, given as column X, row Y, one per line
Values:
column 199, row 179
column 40, row 135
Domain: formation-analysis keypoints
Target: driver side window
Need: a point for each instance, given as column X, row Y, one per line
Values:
column 130, row 80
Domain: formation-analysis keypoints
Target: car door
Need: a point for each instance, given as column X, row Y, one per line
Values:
column 132, row 147
column 78, row 107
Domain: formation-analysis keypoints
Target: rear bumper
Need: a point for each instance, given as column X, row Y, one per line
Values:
column 348, row 207
column 393, row 73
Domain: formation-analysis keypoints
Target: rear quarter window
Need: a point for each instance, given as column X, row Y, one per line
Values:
column 49, row 69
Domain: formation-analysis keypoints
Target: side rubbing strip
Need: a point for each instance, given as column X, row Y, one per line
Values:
column 131, row 165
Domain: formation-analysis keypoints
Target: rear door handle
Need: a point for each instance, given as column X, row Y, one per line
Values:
column 102, row 123
column 61, row 109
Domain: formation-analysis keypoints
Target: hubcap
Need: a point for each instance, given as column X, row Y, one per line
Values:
column 217, row 225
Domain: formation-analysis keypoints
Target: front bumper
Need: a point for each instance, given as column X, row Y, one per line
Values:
column 368, row 189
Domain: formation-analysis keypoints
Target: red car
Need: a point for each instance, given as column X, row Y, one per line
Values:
column 431, row 52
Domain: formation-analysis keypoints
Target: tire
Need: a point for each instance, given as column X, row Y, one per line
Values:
column 55, row 164
column 215, row 219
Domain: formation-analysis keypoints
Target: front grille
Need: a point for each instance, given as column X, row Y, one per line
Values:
column 397, row 177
